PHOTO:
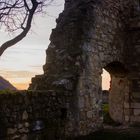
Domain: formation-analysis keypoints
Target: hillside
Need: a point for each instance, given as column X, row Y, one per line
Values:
column 4, row 84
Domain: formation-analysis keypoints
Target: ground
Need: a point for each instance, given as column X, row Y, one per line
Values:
column 115, row 133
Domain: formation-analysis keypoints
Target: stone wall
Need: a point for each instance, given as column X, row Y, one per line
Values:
column 34, row 115
column 66, row 100
column 119, row 88
column 90, row 34
column 104, row 46
column 132, row 53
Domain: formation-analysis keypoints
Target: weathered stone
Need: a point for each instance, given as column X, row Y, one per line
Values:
column 24, row 137
column 126, row 105
column 135, row 119
column 64, row 83
column 25, row 115
column 90, row 35
column 135, row 105
column 137, row 112
column 15, row 137
column 20, row 126
column 23, row 130
column 89, row 114
column 81, row 102
column 127, row 118
column 26, row 124
column 11, row 131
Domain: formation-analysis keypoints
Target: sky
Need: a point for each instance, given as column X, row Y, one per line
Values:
column 23, row 61
column 105, row 80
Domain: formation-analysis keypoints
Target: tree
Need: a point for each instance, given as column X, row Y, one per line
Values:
column 17, row 15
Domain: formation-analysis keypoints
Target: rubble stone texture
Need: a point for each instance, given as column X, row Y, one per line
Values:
column 90, row 35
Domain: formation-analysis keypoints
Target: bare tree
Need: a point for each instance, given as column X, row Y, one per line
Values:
column 18, row 15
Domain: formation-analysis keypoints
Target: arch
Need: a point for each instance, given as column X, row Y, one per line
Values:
column 116, row 68
column 119, row 88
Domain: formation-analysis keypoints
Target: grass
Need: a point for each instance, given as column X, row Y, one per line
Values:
column 106, row 116
column 7, row 91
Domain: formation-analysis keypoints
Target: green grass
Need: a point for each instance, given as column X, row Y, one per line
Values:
column 106, row 116
column 105, row 108
column 7, row 91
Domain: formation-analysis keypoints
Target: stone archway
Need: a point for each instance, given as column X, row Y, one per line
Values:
column 119, row 90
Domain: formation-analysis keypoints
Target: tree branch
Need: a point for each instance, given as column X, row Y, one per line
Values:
column 18, row 15
column 23, row 33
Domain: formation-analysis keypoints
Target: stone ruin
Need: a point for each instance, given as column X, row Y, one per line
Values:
column 66, row 101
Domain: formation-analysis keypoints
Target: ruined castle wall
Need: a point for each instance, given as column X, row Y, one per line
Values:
column 104, row 45
column 89, row 35
column 117, row 98
column 27, row 115
column 132, row 59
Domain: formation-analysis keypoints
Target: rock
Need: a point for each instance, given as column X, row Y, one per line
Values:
column 11, row 131
column 25, row 115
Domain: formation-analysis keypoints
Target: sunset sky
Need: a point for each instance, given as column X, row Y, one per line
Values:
column 20, row 63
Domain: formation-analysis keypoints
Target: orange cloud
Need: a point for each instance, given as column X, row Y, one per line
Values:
column 17, row 74
column 20, row 79
column 21, row 86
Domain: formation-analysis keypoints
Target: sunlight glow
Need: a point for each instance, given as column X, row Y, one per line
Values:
column 105, row 80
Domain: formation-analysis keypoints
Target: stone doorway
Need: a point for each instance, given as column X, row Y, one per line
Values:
column 118, row 91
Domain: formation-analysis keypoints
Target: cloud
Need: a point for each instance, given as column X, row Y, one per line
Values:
column 17, row 74
column 20, row 79
column 36, row 66
column 21, row 86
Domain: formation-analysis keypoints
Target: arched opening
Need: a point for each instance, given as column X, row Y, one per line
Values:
column 115, row 86
column 105, row 89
